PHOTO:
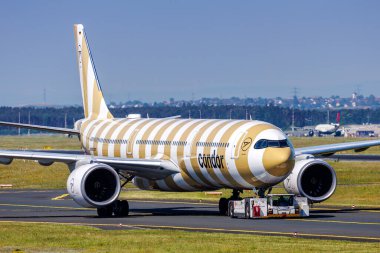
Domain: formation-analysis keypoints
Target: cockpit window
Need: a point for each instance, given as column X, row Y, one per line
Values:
column 260, row 144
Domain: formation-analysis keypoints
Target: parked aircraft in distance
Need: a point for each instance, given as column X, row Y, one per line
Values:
column 327, row 129
column 173, row 154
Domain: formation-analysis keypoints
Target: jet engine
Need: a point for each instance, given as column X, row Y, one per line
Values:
column 94, row 185
column 312, row 178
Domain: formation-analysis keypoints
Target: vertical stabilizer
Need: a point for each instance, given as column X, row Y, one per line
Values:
column 94, row 105
column 338, row 118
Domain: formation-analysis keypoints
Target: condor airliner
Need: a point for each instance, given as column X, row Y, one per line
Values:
column 172, row 154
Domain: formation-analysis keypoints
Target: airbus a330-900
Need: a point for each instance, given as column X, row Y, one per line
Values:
column 172, row 154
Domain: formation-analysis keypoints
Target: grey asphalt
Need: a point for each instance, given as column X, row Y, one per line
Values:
column 327, row 223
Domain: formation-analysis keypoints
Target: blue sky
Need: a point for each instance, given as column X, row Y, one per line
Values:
column 154, row 50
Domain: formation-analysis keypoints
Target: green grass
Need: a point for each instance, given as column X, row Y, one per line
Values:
column 299, row 142
column 66, row 238
column 26, row 174
column 39, row 142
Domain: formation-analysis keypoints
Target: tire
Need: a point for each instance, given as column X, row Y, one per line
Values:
column 105, row 212
column 223, row 206
column 231, row 209
column 121, row 208
column 247, row 211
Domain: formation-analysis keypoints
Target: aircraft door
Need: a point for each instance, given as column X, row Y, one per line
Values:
column 131, row 140
column 236, row 144
column 191, row 148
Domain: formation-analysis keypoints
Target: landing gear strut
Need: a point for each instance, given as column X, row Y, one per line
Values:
column 120, row 208
column 260, row 192
column 223, row 202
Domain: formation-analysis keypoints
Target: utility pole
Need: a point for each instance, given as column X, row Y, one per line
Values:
column 293, row 108
column 65, row 120
column 29, row 123
column 19, row 121
column 328, row 116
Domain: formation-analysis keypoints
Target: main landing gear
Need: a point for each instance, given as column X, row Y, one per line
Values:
column 120, row 208
column 223, row 202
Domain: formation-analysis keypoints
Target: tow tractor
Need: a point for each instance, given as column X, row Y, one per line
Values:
column 271, row 206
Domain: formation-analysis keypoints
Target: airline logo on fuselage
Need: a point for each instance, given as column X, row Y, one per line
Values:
column 246, row 144
column 210, row 161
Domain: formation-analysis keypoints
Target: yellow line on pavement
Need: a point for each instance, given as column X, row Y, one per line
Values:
column 337, row 221
column 53, row 207
column 60, row 197
column 174, row 202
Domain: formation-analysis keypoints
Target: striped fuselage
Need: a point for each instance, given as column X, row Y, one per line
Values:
column 210, row 154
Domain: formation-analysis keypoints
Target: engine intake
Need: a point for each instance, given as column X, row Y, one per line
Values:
column 312, row 178
column 94, row 185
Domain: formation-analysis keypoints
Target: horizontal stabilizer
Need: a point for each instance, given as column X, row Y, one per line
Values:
column 60, row 130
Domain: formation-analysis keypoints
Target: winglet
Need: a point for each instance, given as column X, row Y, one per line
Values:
column 94, row 105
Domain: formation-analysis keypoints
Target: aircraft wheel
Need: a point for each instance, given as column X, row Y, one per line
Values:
column 121, row 208
column 247, row 210
column 231, row 209
column 106, row 211
column 223, row 206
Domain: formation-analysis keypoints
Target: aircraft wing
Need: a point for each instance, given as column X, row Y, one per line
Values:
column 330, row 149
column 147, row 168
column 42, row 128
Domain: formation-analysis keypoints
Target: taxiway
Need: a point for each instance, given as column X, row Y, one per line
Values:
column 50, row 206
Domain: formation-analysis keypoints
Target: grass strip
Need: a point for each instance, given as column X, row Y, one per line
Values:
column 26, row 237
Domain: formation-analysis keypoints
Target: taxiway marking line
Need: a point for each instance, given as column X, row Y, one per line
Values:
column 337, row 221
column 64, row 207
column 215, row 204
column 174, row 202
column 260, row 232
column 53, row 207
column 83, row 208
column 60, row 197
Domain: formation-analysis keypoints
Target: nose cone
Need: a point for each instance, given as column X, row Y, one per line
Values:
column 278, row 161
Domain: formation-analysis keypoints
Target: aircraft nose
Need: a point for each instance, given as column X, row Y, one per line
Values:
column 278, row 161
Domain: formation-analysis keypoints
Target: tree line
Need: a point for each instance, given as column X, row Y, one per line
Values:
column 279, row 116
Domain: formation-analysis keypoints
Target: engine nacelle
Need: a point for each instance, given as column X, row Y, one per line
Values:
column 94, row 185
column 312, row 178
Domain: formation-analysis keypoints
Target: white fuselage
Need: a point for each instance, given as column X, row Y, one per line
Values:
column 210, row 154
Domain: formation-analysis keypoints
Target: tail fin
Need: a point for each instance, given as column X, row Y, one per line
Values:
column 94, row 105
column 338, row 118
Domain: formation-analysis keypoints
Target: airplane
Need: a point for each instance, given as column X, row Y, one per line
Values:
column 327, row 129
column 173, row 154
